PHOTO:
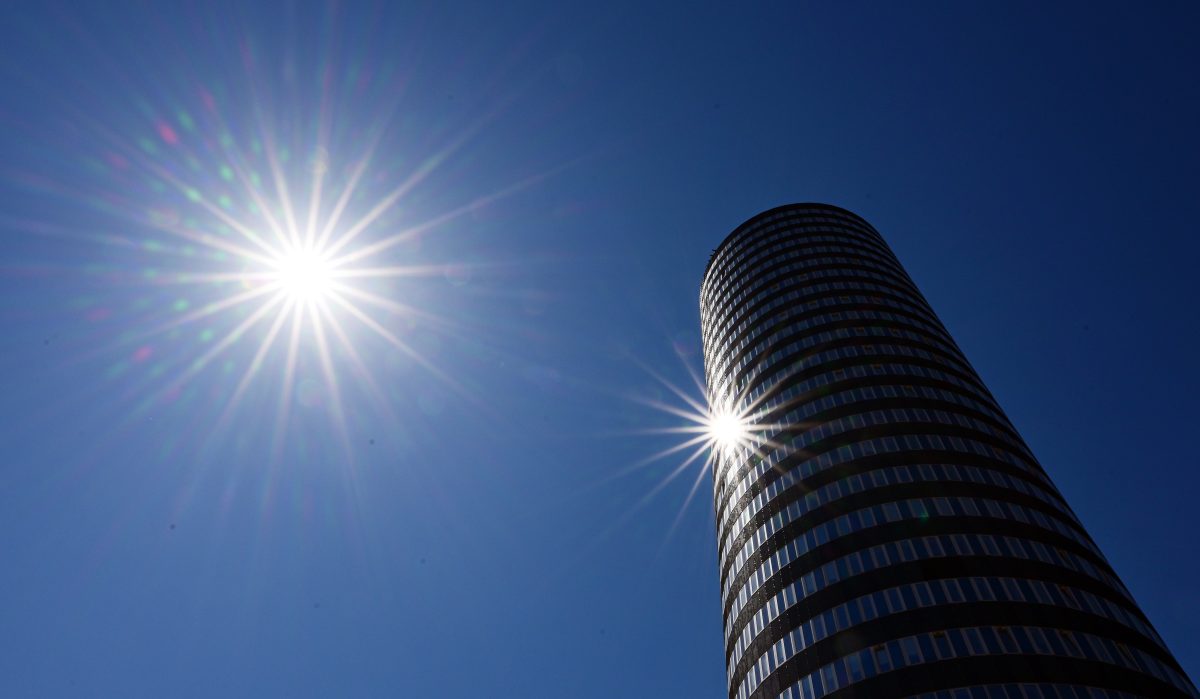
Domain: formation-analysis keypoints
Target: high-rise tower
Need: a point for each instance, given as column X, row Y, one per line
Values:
column 891, row 535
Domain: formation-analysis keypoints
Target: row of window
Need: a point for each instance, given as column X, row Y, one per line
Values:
column 733, row 455
column 934, row 593
column 797, row 303
column 757, row 363
column 726, row 498
column 869, row 280
column 749, row 234
column 764, row 335
column 799, row 257
column 881, row 478
column 973, row 641
column 790, row 269
column 843, row 292
column 813, row 395
column 877, row 353
column 756, row 270
column 744, row 317
column 798, row 416
column 796, row 354
column 921, row 509
column 730, row 530
column 743, row 460
column 797, row 267
column 1028, row 690
column 795, row 350
column 873, row 418
column 919, row 549
column 749, row 246
column 963, row 394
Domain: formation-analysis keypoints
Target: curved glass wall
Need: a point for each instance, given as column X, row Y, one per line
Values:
column 888, row 533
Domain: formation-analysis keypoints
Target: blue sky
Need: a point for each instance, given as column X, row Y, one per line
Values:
column 453, row 503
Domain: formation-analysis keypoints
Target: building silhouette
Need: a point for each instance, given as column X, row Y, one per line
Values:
column 889, row 534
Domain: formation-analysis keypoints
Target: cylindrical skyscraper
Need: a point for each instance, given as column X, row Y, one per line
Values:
column 889, row 534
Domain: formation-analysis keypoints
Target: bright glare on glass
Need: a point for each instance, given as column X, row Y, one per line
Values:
column 304, row 275
column 712, row 433
column 727, row 429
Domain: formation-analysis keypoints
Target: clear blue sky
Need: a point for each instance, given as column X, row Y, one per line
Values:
column 469, row 518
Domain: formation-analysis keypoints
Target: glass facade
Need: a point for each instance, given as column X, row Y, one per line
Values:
column 887, row 533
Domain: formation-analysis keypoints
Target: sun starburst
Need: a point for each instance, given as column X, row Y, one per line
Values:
column 304, row 275
column 253, row 246
column 257, row 246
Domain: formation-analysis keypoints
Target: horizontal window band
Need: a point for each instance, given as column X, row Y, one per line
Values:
column 778, row 313
column 797, row 348
column 793, row 303
column 801, row 272
column 719, row 333
column 985, row 669
column 883, row 356
column 897, row 430
column 863, row 446
column 792, row 259
column 778, row 414
column 880, row 496
column 863, row 330
column 850, row 382
column 889, row 493
column 776, row 253
column 749, row 461
column 1046, row 690
column 805, row 279
column 874, row 422
column 935, row 618
column 753, row 243
column 859, row 453
column 774, row 336
column 864, row 467
column 770, row 257
column 1028, row 555
column 761, row 338
column 851, row 278
column 906, row 529
column 817, row 529
column 873, row 349
column 949, row 567
column 785, row 217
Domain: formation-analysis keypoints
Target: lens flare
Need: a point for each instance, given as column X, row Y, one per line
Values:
column 259, row 240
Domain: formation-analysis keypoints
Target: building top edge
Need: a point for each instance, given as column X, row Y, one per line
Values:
column 763, row 214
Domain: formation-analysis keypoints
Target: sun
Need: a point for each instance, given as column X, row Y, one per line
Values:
column 303, row 275
column 272, row 244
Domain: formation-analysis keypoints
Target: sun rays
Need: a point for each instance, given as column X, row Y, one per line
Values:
column 293, row 272
column 252, row 245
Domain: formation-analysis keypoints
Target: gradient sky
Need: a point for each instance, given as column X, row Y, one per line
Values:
column 466, row 512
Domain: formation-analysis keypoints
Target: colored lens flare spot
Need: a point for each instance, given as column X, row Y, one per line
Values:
column 167, row 134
